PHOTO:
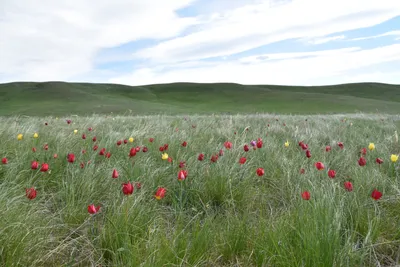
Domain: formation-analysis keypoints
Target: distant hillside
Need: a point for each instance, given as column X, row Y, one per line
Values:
column 60, row 98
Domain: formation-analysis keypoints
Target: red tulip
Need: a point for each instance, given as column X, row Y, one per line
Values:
column 308, row 154
column 83, row 136
column 82, row 165
column 94, row 139
column 119, row 142
column 348, row 186
column 246, row 148
column 301, row 143
column 319, row 165
column 182, row 174
column 340, row 144
column 328, row 148
column 151, row 140
column 95, row 147
column 161, row 148
column 165, row 147
column 102, row 152
column 200, row 157
column 376, row 194
column 363, row 151
column 125, row 141
column 184, row 144
column 145, row 149
column 115, row 174
column 160, row 193
column 260, row 171
column 214, row 158
column 259, row 143
column 108, row 155
column 304, row 146
column 45, row 167
column 55, row 156
column 46, row 147
column 33, row 149
column 90, row 129
column 182, row 164
column 170, row 160
column 92, row 209
column 242, row 160
column 132, row 152
column 228, row 145
column 221, row 153
column 137, row 149
column 379, row 160
column 362, row 161
column 4, row 160
column 331, row 174
column 69, row 121
column 306, row 195
column 302, row 171
column 127, row 188
column 34, row 165
column 30, row 193
column 71, row 158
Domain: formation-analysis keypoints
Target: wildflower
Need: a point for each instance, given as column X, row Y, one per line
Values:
column 371, row 146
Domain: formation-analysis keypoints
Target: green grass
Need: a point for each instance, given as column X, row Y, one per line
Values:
column 59, row 98
column 223, row 214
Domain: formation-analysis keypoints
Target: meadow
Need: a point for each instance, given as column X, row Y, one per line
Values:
column 269, row 190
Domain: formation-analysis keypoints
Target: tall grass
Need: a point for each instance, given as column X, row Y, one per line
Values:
column 222, row 215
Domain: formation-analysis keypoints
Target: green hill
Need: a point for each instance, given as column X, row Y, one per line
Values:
column 59, row 98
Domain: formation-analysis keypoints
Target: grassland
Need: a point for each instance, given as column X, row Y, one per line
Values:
column 59, row 98
column 223, row 214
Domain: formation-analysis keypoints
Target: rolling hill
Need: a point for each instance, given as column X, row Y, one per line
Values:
column 61, row 98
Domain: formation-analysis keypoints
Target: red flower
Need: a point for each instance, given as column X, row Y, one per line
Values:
column 214, row 158
column 95, row 147
column 259, row 143
column 94, row 139
column 221, row 153
column 182, row 174
column 30, row 193
column 108, row 155
column 138, row 185
column 127, row 188
column 246, row 148
column 184, row 144
column 115, row 174
column 200, row 157
column 137, row 149
column 125, row 141
column 301, row 143
column 306, row 195
column 71, row 158
column 328, row 148
column 119, row 142
column 46, row 147
column 132, row 152
column 33, row 149
column 302, row 171
column 45, row 167
column 161, row 148
column 102, row 152
column 55, row 156
column 69, row 121
column 83, row 151
column 348, row 186
column 83, row 136
column 228, row 145
column 160, row 193
column 242, row 160
column 151, row 140
column 376, row 194
column 379, row 160
column 165, row 147
column 182, row 164
column 4, row 160
column 92, row 209
column 90, row 129
column 34, row 165
column 260, row 171
column 363, row 151
column 331, row 173
column 304, row 146
column 340, row 144
column 145, row 149
column 319, row 165
column 308, row 154
column 170, row 160
column 362, row 161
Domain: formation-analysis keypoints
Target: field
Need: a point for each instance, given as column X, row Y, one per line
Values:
column 60, row 98
column 220, row 212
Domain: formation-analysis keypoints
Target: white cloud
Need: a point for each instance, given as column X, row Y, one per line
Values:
column 391, row 33
column 323, row 40
column 50, row 40
column 255, row 25
column 321, row 67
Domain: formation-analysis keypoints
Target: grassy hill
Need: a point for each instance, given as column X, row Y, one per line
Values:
column 59, row 98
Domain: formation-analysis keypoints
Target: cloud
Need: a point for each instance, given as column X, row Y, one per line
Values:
column 59, row 39
column 317, row 41
column 391, row 33
column 317, row 68
column 252, row 26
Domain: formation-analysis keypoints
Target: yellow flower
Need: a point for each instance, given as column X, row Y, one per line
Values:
column 371, row 146
column 75, row 131
column 394, row 157
column 131, row 139
column 287, row 144
column 164, row 156
column 20, row 136
column 35, row 135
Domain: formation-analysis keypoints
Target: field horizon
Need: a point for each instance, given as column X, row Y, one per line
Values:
column 62, row 98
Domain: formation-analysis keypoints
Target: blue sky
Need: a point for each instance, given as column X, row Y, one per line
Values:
column 303, row 42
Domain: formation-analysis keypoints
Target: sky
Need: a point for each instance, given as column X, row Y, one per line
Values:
column 137, row 42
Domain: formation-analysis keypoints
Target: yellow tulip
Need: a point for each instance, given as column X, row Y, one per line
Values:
column 371, row 146
column 394, row 157
column 287, row 144
column 164, row 156
column 75, row 131
column 131, row 139
column 35, row 135
column 20, row 136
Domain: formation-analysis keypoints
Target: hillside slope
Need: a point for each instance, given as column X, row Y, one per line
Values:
column 60, row 98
